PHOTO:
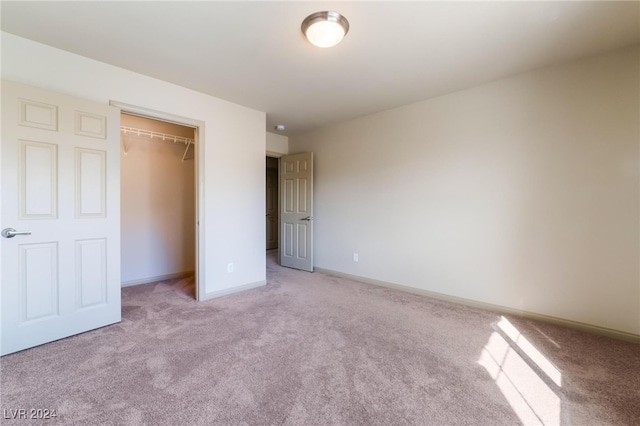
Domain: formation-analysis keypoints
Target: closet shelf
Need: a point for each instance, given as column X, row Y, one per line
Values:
column 165, row 137
column 156, row 135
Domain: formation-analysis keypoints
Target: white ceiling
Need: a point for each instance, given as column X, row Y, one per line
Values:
column 254, row 54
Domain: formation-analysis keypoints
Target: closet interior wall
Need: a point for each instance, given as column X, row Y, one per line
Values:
column 157, row 203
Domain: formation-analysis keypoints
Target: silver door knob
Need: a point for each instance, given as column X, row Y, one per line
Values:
column 10, row 232
column 308, row 218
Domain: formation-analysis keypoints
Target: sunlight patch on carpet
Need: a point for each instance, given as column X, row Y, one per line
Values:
column 530, row 397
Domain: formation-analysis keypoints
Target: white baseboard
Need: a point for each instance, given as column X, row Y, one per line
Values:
column 617, row 334
column 157, row 278
column 228, row 291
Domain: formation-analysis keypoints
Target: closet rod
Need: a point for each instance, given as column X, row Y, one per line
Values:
column 165, row 137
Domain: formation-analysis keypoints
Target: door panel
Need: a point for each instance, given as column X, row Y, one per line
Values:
column 91, row 273
column 38, row 281
column 38, row 180
column 61, row 182
column 91, row 177
column 296, row 220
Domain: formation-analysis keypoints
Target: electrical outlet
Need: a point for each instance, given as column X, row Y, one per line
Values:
column 230, row 267
column 355, row 257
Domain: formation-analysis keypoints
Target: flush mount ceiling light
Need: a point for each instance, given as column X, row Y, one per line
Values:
column 325, row 29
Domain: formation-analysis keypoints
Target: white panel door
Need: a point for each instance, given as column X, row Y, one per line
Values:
column 296, row 211
column 61, row 187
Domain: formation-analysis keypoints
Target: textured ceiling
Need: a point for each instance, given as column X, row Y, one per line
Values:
column 254, row 54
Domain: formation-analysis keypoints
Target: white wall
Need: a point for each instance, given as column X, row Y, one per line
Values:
column 233, row 139
column 277, row 144
column 522, row 193
column 157, row 193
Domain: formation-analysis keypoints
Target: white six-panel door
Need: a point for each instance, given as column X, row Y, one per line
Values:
column 296, row 211
column 61, row 183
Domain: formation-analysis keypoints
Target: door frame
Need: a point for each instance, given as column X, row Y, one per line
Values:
column 200, row 270
column 270, row 154
column 277, row 156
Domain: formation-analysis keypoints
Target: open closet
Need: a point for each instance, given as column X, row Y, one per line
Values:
column 158, row 201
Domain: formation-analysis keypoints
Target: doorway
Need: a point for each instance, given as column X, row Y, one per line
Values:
column 158, row 202
column 198, row 161
column 272, row 217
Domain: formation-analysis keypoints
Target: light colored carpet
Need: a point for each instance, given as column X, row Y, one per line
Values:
column 313, row 349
